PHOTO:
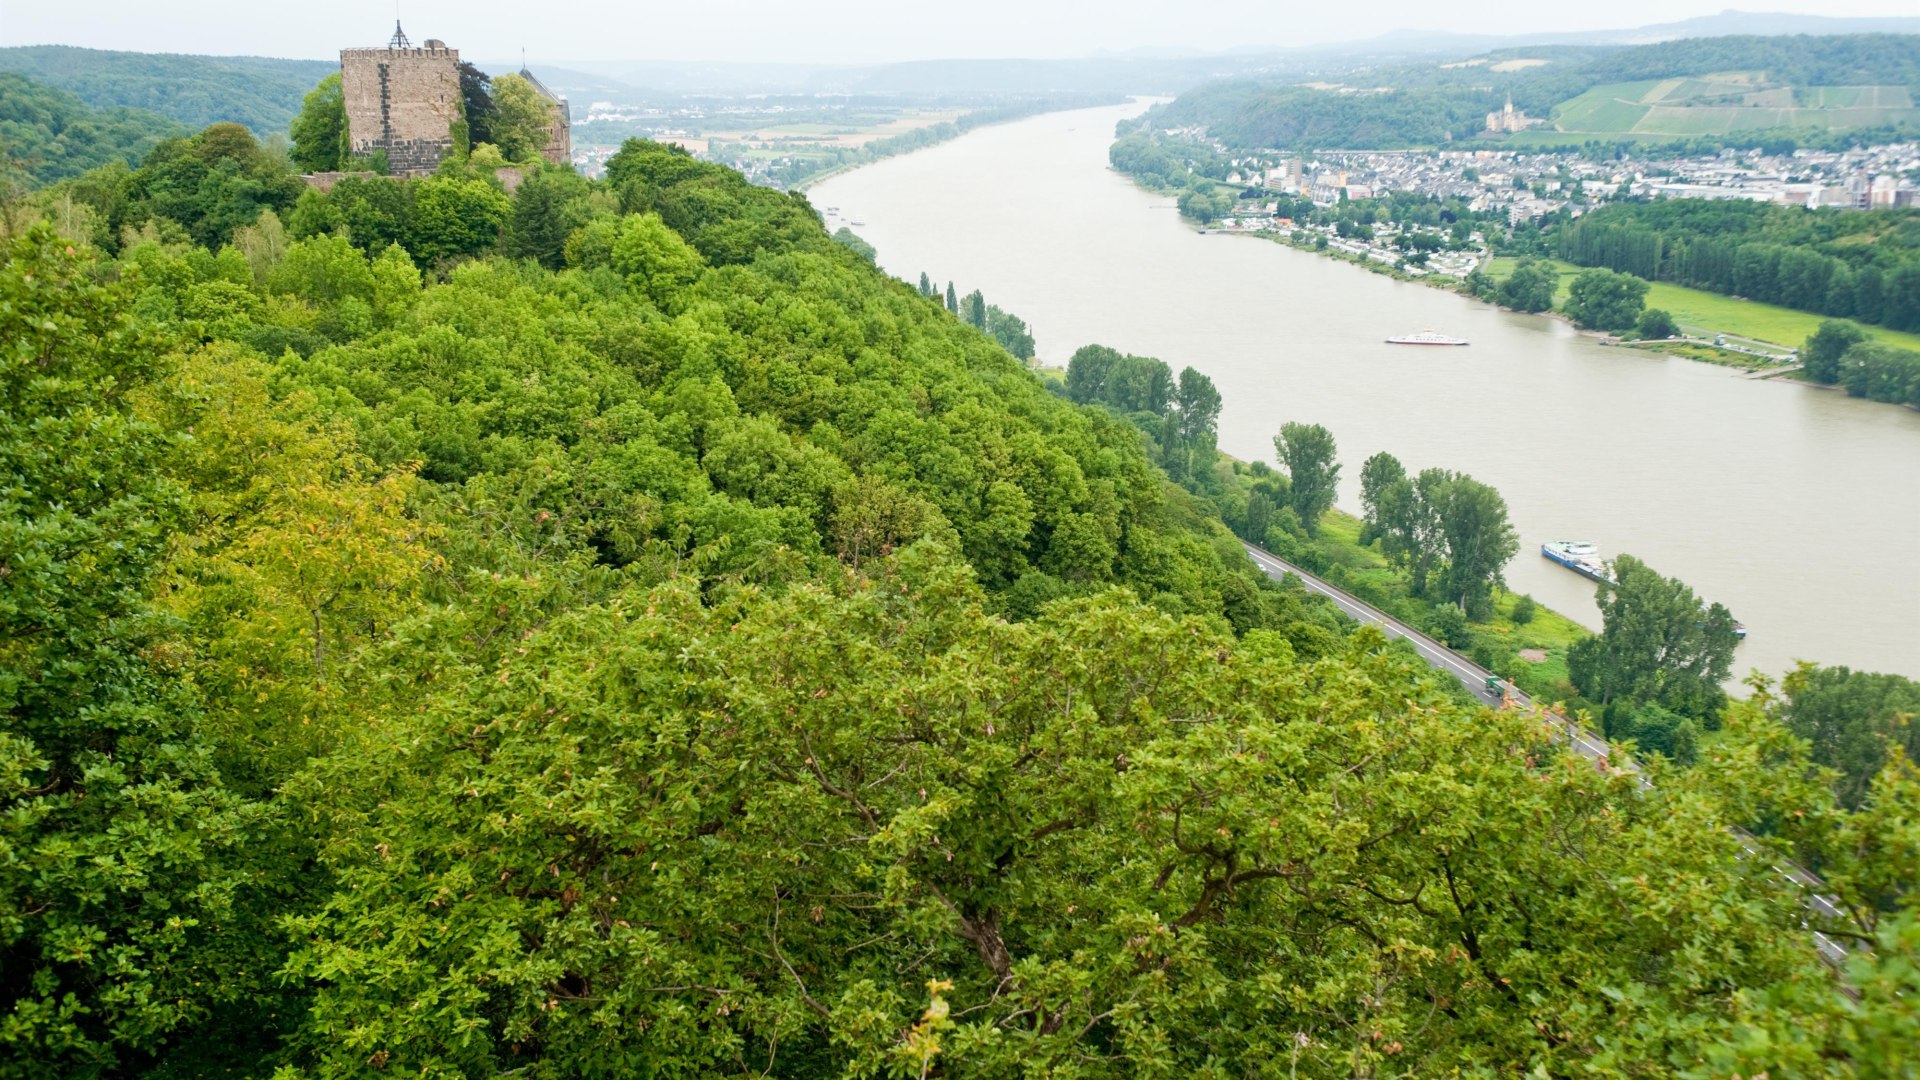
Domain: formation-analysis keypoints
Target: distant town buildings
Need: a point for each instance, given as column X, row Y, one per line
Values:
column 1529, row 186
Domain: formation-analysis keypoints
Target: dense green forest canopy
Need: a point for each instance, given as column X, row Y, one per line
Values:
column 1250, row 114
column 613, row 629
column 1431, row 104
column 261, row 92
column 48, row 135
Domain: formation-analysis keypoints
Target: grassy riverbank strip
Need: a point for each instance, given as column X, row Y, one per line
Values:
column 1758, row 336
column 1709, row 314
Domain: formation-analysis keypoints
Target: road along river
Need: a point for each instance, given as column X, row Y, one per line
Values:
column 1798, row 508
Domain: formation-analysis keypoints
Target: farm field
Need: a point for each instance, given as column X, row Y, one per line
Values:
column 1734, row 101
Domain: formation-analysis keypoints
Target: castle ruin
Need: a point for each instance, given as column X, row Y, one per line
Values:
column 403, row 101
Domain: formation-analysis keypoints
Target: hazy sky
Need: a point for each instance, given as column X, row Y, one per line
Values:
column 831, row 31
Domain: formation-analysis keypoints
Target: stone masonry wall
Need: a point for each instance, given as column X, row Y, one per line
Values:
column 403, row 101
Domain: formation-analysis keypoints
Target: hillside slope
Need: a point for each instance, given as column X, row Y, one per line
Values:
column 48, row 135
column 1699, row 87
column 261, row 92
column 616, row 630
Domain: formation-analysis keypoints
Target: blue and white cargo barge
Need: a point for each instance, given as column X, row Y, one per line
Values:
column 1581, row 557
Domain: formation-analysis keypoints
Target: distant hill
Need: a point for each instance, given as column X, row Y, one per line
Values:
column 1702, row 87
column 47, row 135
column 1732, row 23
column 1726, row 24
column 580, row 87
column 261, row 92
column 1142, row 74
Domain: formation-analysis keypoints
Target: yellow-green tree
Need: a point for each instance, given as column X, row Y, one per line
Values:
column 522, row 118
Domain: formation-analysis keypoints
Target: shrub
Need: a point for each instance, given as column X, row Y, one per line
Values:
column 1655, row 325
column 1449, row 624
column 1523, row 611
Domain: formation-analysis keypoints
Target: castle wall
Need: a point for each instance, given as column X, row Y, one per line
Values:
column 402, row 101
column 559, row 148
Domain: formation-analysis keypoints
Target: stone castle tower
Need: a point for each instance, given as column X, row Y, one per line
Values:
column 403, row 100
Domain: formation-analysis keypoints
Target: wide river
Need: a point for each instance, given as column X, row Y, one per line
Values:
column 1798, row 508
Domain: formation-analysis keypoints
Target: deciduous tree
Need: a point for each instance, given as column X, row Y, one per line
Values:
column 1852, row 719
column 1820, row 356
column 320, row 131
column 1308, row 453
column 1604, row 300
column 1659, row 644
column 521, row 118
column 1530, row 287
column 1380, row 472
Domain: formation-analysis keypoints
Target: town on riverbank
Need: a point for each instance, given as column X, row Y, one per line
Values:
column 1689, row 248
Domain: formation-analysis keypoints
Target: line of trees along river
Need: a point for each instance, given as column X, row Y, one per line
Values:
column 1768, row 498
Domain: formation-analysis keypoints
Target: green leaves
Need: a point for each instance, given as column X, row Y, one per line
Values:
column 1308, row 453
column 610, row 672
column 120, row 852
column 1659, row 644
column 1604, row 300
column 657, row 263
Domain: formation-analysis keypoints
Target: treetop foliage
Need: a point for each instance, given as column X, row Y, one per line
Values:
column 612, row 628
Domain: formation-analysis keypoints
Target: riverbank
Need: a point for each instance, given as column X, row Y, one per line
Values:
column 1709, row 313
column 1725, row 331
column 1525, row 642
column 1530, row 651
column 1581, row 440
column 1749, row 353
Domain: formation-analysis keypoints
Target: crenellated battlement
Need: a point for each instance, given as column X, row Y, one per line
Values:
column 384, row 53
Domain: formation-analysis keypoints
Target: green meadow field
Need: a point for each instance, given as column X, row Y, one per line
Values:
column 1703, row 313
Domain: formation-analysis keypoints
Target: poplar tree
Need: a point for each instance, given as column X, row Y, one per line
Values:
column 974, row 309
column 1307, row 450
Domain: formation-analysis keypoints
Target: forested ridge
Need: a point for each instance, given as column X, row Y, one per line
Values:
column 261, row 92
column 1429, row 105
column 613, row 629
column 48, row 135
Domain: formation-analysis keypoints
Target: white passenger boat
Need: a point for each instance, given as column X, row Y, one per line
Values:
column 1426, row 337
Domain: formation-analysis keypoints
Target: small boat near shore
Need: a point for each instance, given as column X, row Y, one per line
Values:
column 1426, row 337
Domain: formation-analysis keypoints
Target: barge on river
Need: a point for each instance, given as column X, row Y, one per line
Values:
column 1580, row 557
